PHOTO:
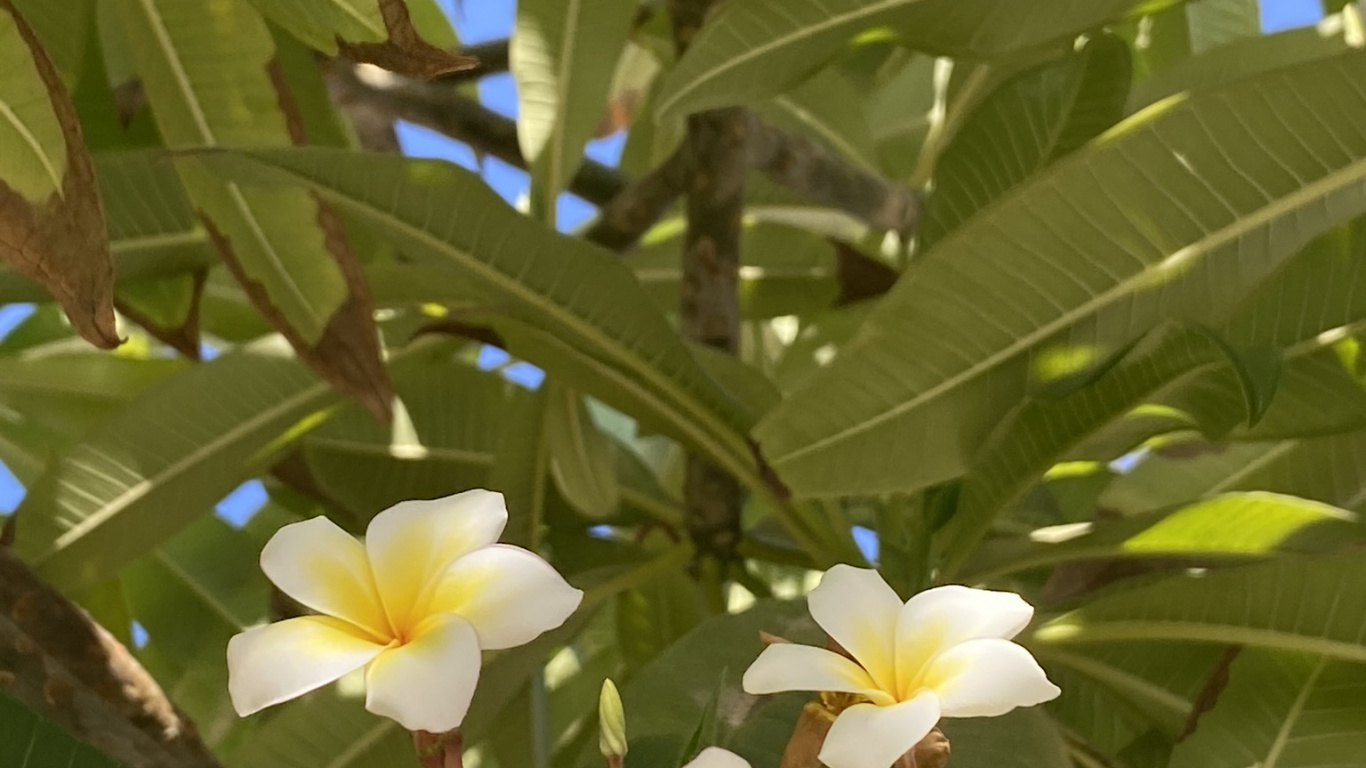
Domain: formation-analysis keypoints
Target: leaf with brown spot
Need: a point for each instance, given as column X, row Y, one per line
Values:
column 405, row 52
column 51, row 219
column 167, row 308
column 347, row 354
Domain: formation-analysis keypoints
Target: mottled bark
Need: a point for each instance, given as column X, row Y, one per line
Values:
column 56, row 660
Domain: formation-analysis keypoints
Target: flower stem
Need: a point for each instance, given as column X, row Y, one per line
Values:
column 439, row 750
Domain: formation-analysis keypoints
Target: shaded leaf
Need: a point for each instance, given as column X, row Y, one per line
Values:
column 1218, row 22
column 1227, row 526
column 563, row 54
column 1025, row 124
column 582, row 457
column 1178, row 206
column 1282, row 709
column 1303, row 605
column 222, row 95
column 51, row 217
column 167, row 458
column 168, row 309
column 750, row 50
column 561, row 296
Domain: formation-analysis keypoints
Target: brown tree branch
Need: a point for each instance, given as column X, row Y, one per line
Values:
column 58, row 661
column 443, row 110
column 491, row 58
column 709, row 295
column 815, row 172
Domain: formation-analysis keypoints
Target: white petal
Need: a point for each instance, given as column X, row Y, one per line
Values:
column 412, row 542
column 277, row 662
column 869, row 736
column 791, row 667
column 940, row 618
column 326, row 569
column 985, row 678
column 716, row 757
column 510, row 595
column 427, row 684
column 859, row 611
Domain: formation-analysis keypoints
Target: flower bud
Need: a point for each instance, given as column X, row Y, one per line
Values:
column 611, row 721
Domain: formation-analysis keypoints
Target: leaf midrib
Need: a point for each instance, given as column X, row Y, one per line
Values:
column 206, row 135
column 32, row 142
column 574, row 325
column 809, row 31
column 1282, row 206
column 1112, row 631
column 1273, row 755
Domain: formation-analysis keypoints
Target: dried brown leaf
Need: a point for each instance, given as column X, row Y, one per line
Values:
column 60, row 242
column 405, row 52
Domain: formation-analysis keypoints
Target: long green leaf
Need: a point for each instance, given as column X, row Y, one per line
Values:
column 1174, row 214
column 751, row 50
column 562, row 54
column 321, row 23
column 568, row 295
column 164, row 460
column 1281, row 710
column 1308, row 605
column 204, row 67
column 1327, row 469
column 1228, row 526
column 1025, row 124
column 34, row 164
column 1219, row 22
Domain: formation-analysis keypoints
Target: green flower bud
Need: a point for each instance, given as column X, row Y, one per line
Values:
column 611, row 721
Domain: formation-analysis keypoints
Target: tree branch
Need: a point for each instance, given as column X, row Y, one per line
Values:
column 709, row 295
column 815, row 172
column 56, row 660
column 443, row 110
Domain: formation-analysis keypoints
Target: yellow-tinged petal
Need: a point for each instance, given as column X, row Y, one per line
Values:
column 869, row 736
column 859, row 611
column 326, row 569
column 277, row 662
column 413, row 542
column 427, row 684
column 790, row 667
column 986, row 678
column 716, row 757
column 940, row 618
column 509, row 594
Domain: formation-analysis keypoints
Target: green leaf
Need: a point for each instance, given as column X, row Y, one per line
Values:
column 449, row 420
column 1228, row 526
column 530, row 275
column 521, row 468
column 167, row 458
column 63, row 29
column 1327, row 469
column 320, row 24
column 1241, row 59
column 562, row 54
column 204, row 68
column 1117, row 691
column 751, row 50
column 36, row 164
column 36, row 742
column 1305, row 605
column 1025, row 124
column 582, row 457
column 1219, row 22
column 1193, row 211
column 1282, row 709
column 826, row 107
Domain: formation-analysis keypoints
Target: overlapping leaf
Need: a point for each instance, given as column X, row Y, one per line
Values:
column 1176, row 214
column 750, row 50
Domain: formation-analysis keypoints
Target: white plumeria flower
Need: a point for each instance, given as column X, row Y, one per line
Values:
column 945, row 653
column 716, row 757
column 414, row 605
